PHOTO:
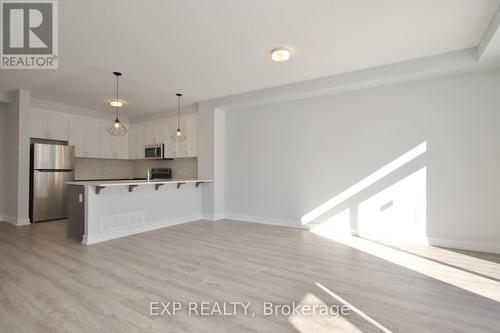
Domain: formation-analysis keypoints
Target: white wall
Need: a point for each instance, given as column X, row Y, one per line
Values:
column 16, row 173
column 76, row 110
column 285, row 159
column 3, row 145
column 11, row 163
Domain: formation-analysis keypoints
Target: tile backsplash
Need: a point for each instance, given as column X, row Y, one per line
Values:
column 93, row 168
column 182, row 168
column 90, row 168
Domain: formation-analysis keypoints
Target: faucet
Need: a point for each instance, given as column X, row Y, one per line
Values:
column 148, row 174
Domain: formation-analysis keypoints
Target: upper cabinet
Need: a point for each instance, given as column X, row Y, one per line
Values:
column 162, row 131
column 77, row 135
column 189, row 126
column 156, row 131
column 85, row 136
column 133, row 144
column 113, row 147
column 90, row 139
column 48, row 125
column 192, row 138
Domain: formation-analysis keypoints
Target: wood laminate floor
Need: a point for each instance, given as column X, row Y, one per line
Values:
column 49, row 283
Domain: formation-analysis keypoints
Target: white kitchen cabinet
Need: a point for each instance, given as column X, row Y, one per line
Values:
column 113, row 147
column 121, row 147
column 146, row 133
column 57, row 126
column 143, row 132
column 92, row 138
column 189, row 127
column 38, row 123
column 181, row 148
column 133, row 137
column 152, row 133
column 107, row 142
column 48, row 125
column 84, row 135
column 171, row 148
column 155, row 130
column 161, row 131
column 77, row 135
column 192, row 139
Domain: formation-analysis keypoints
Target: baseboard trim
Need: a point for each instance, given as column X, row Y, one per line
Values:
column 21, row 222
column 105, row 236
column 269, row 221
column 213, row 217
column 465, row 245
column 15, row 221
column 10, row 220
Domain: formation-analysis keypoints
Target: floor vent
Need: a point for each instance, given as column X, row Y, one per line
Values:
column 116, row 222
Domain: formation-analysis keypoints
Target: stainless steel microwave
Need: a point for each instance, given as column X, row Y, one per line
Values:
column 155, row 152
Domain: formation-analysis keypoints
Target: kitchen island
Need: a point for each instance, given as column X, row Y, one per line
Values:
column 104, row 210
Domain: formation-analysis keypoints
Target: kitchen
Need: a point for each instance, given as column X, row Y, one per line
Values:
column 162, row 149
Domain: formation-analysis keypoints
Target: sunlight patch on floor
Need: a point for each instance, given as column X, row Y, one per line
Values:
column 467, row 262
column 360, row 313
column 319, row 324
column 454, row 276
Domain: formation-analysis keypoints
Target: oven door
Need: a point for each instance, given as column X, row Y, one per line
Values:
column 153, row 152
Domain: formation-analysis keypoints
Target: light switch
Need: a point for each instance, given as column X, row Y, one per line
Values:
column 80, row 197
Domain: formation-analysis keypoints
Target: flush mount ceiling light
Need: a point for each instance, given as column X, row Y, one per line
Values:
column 280, row 54
column 116, row 103
column 117, row 128
column 178, row 136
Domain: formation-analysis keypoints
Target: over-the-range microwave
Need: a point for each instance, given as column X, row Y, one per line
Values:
column 155, row 152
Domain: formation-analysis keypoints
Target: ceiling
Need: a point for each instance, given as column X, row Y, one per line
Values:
column 216, row 48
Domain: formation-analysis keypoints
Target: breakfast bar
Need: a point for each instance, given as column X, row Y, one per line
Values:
column 103, row 210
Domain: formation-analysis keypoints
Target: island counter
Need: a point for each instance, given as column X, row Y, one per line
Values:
column 104, row 210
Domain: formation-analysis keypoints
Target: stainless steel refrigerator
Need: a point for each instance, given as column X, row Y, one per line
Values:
column 51, row 168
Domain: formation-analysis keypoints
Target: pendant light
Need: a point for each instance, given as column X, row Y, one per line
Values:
column 178, row 136
column 117, row 128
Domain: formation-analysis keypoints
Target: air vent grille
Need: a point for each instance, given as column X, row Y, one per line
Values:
column 116, row 222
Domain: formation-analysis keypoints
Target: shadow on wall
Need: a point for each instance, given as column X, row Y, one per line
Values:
column 389, row 204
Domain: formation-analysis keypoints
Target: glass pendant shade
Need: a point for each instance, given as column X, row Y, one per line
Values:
column 178, row 136
column 117, row 128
